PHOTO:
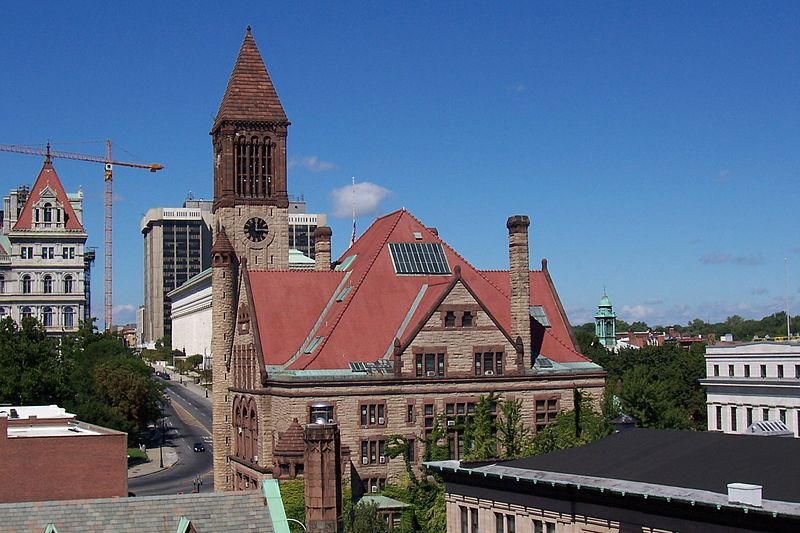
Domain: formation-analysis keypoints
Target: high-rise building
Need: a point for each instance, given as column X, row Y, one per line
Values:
column 177, row 246
column 43, row 267
column 302, row 226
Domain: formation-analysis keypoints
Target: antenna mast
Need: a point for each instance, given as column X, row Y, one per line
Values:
column 786, row 296
column 353, row 236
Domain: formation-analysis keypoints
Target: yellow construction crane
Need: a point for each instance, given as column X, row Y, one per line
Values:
column 108, row 232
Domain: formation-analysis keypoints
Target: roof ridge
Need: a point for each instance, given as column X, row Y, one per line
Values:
column 354, row 290
column 25, row 218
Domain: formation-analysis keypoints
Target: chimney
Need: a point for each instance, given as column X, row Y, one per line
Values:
column 322, row 248
column 323, row 478
column 519, row 276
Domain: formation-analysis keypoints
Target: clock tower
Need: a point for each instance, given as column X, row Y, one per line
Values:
column 249, row 139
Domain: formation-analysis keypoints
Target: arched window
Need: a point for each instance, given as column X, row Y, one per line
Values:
column 27, row 311
column 26, row 284
column 253, row 427
column 2, row 313
column 69, row 317
column 2, row 284
column 47, row 283
column 47, row 315
column 68, row 284
column 48, row 212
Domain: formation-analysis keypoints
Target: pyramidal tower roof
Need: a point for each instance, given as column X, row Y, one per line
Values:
column 250, row 94
column 47, row 183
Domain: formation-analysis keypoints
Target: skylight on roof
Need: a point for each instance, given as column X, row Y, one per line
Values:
column 418, row 258
column 538, row 313
column 346, row 262
column 313, row 345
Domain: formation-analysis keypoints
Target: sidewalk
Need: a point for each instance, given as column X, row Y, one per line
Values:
column 153, row 465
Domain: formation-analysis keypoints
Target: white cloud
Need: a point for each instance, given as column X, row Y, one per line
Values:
column 368, row 197
column 637, row 312
column 311, row 162
column 124, row 308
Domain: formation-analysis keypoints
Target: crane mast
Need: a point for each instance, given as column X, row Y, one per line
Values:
column 108, row 197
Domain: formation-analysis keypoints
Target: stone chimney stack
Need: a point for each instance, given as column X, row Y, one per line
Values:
column 322, row 248
column 323, row 478
column 519, row 276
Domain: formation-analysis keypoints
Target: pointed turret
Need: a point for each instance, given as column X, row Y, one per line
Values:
column 250, row 95
column 47, row 205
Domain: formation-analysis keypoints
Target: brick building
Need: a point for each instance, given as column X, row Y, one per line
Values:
column 402, row 328
column 46, row 454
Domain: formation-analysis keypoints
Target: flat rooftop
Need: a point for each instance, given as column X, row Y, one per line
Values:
column 39, row 411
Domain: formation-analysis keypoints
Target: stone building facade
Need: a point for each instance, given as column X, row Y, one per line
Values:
column 44, row 266
column 399, row 331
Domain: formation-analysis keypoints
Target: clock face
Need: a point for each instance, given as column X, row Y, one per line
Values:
column 256, row 229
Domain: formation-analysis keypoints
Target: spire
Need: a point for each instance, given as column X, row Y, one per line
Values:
column 250, row 95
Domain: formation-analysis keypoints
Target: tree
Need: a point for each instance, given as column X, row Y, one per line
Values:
column 294, row 503
column 512, row 434
column 33, row 372
column 127, row 388
column 481, row 431
column 195, row 360
column 562, row 433
column 366, row 518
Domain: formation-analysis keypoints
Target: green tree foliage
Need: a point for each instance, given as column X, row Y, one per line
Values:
column 294, row 503
column 481, row 430
column 366, row 518
column 512, row 434
column 562, row 433
column 658, row 385
column 90, row 374
column 195, row 360
column 33, row 372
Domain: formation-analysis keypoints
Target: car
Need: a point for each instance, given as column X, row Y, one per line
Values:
column 199, row 447
column 165, row 376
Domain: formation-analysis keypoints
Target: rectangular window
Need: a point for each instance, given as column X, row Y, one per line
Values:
column 782, row 415
column 430, row 415
column 488, row 363
column 716, row 370
column 730, row 371
column 473, row 515
column 48, row 252
column 747, row 371
column 749, row 416
column 551, row 527
column 538, row 526
column 545, row 412
column 499, row 523
column 765, row 414
column 411, row 444
column 511, row 523
column 410, row 413
column 734, row 426
column 430, row 365
column 464, row 519
column 763, row 371
column 780, row 371
column 797, row 371
column 719, row 417
column 68, row 252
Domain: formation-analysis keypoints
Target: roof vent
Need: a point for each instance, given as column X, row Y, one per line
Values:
column 744, row 493
column 418, row 235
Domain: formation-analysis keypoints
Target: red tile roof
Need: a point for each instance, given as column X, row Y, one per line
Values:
column 250, row 94
column 363, row 326
column 47, row 178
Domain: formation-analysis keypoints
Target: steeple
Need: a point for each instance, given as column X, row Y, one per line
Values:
column 605, row 323
column 250, row 95
column 249, row 137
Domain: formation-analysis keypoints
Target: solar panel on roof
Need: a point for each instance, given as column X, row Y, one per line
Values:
column 538, row 313
column 418, row 258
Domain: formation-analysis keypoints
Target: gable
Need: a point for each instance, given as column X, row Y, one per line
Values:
column 47, row 185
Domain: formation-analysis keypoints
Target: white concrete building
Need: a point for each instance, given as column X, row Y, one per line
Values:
column 752, row 382
column 43, row 264
column 191, row 316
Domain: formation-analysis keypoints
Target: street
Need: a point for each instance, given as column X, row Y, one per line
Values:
column 187, row 421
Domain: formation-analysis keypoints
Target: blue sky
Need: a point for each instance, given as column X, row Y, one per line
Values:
column 654, row 146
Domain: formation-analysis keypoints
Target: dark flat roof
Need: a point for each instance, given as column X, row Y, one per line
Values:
column 690, row 459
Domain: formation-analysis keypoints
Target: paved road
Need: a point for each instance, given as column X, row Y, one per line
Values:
column 188, row 420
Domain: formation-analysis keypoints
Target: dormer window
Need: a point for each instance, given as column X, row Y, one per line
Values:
column 48, row 212
column 449, row 319
column 466, row 319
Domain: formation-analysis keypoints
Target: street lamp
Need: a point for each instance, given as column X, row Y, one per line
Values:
column 161, row 447
column 197, row 481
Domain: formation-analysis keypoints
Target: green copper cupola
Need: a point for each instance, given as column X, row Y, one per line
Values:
column 605, row 323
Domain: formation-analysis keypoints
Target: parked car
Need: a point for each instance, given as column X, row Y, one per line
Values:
column 165, row 376
column 199, row 447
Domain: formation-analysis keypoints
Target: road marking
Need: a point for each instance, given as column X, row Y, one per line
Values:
column 194, row 422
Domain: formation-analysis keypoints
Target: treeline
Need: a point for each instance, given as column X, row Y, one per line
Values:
column 657, row 385
column 742, row 329
column 88, row 373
